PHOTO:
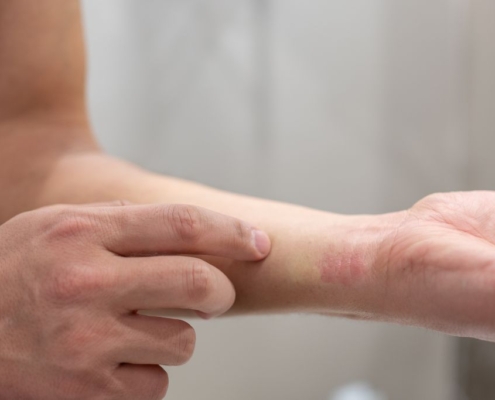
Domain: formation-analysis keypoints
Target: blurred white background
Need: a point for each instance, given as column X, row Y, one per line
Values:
column 352, row 106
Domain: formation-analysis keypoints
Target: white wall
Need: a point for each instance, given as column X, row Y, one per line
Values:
column 483, row 95
column 346, row 105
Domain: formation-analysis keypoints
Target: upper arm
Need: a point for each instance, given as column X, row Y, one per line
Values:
column 42, row 95
column 42, row 60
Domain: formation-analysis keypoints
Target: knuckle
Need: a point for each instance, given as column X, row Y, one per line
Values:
column 242, row 232
column 186, row 221
column 77, row 283
column 65, row 223
column 199, row 281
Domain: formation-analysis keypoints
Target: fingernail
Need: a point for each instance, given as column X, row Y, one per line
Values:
column 261, row 242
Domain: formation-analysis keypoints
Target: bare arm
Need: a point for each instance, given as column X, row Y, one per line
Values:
column 72, row 278
column 48, row 155
column 42, row 95
column 320, row 261
column 430, row 266
column 42, row 58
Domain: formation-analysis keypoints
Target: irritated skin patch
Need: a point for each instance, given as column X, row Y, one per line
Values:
column 342, row 267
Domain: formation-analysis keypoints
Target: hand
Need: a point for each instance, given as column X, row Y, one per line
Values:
column 71, row 280
column 439, row 265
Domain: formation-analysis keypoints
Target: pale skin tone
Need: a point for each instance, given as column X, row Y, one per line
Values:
column 431, row 266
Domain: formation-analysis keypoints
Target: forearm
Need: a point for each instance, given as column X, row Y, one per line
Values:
column 320, row 262
column 47, row 156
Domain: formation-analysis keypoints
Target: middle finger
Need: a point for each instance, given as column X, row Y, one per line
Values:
column 172, row 282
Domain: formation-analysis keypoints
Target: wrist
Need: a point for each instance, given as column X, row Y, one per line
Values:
column 350, row 275
column 320, row 263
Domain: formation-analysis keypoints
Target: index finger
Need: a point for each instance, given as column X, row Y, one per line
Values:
column 181, row 229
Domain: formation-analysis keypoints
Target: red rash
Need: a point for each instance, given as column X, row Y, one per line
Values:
column 345, row 269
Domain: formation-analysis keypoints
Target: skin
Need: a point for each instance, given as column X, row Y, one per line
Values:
column 430, row 266
column 73, row 279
